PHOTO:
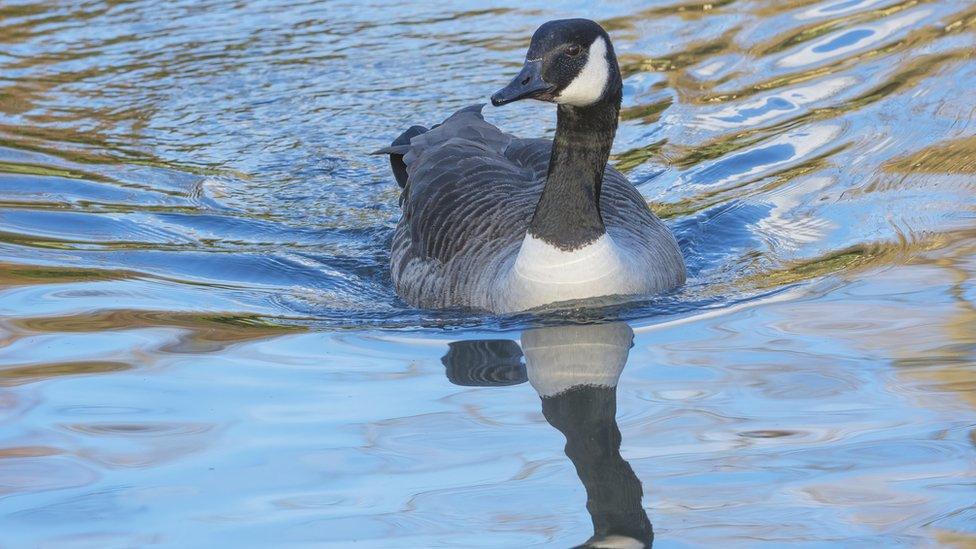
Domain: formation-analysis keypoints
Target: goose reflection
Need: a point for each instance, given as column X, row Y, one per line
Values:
column 575, row 371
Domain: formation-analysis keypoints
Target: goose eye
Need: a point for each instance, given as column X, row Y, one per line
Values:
column 573, row 50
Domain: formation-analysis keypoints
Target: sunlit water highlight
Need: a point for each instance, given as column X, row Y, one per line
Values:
column 199, row 344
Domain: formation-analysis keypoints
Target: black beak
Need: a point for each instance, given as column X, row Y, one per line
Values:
column 528, row 84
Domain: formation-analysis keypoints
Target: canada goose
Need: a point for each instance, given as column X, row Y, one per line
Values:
column 503, row 224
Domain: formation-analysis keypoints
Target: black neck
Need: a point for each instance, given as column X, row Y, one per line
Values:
column 568, row 213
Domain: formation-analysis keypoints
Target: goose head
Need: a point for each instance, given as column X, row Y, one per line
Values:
column 569, row 62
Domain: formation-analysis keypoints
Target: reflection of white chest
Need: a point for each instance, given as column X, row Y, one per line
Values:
column 558, row 358
column 543, row 273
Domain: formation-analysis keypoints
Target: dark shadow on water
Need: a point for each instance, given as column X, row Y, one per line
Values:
column 574, row 369
column 484, row 363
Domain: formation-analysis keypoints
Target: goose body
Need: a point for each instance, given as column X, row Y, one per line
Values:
column 498, row 223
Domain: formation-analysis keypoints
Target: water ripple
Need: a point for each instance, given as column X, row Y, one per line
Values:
column 197, row 325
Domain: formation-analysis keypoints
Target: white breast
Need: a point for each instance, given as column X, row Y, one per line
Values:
column 542, row 262
column 543, row 273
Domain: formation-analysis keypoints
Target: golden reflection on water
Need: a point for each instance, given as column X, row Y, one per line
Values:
column 948, row 360
column 16, row 375
column 953, row 157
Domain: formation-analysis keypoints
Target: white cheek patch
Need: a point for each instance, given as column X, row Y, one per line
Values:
column 587, row 88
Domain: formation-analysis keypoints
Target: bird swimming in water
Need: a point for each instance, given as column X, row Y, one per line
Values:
column 505, row 224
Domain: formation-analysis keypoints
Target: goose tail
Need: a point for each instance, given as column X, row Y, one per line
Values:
column 396, row 150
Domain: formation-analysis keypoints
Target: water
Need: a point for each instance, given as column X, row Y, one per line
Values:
column 199, row 344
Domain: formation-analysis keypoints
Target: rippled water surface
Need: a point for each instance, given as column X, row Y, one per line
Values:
column 199, row 345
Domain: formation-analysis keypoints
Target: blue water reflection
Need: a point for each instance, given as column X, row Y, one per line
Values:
column 199, row 344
